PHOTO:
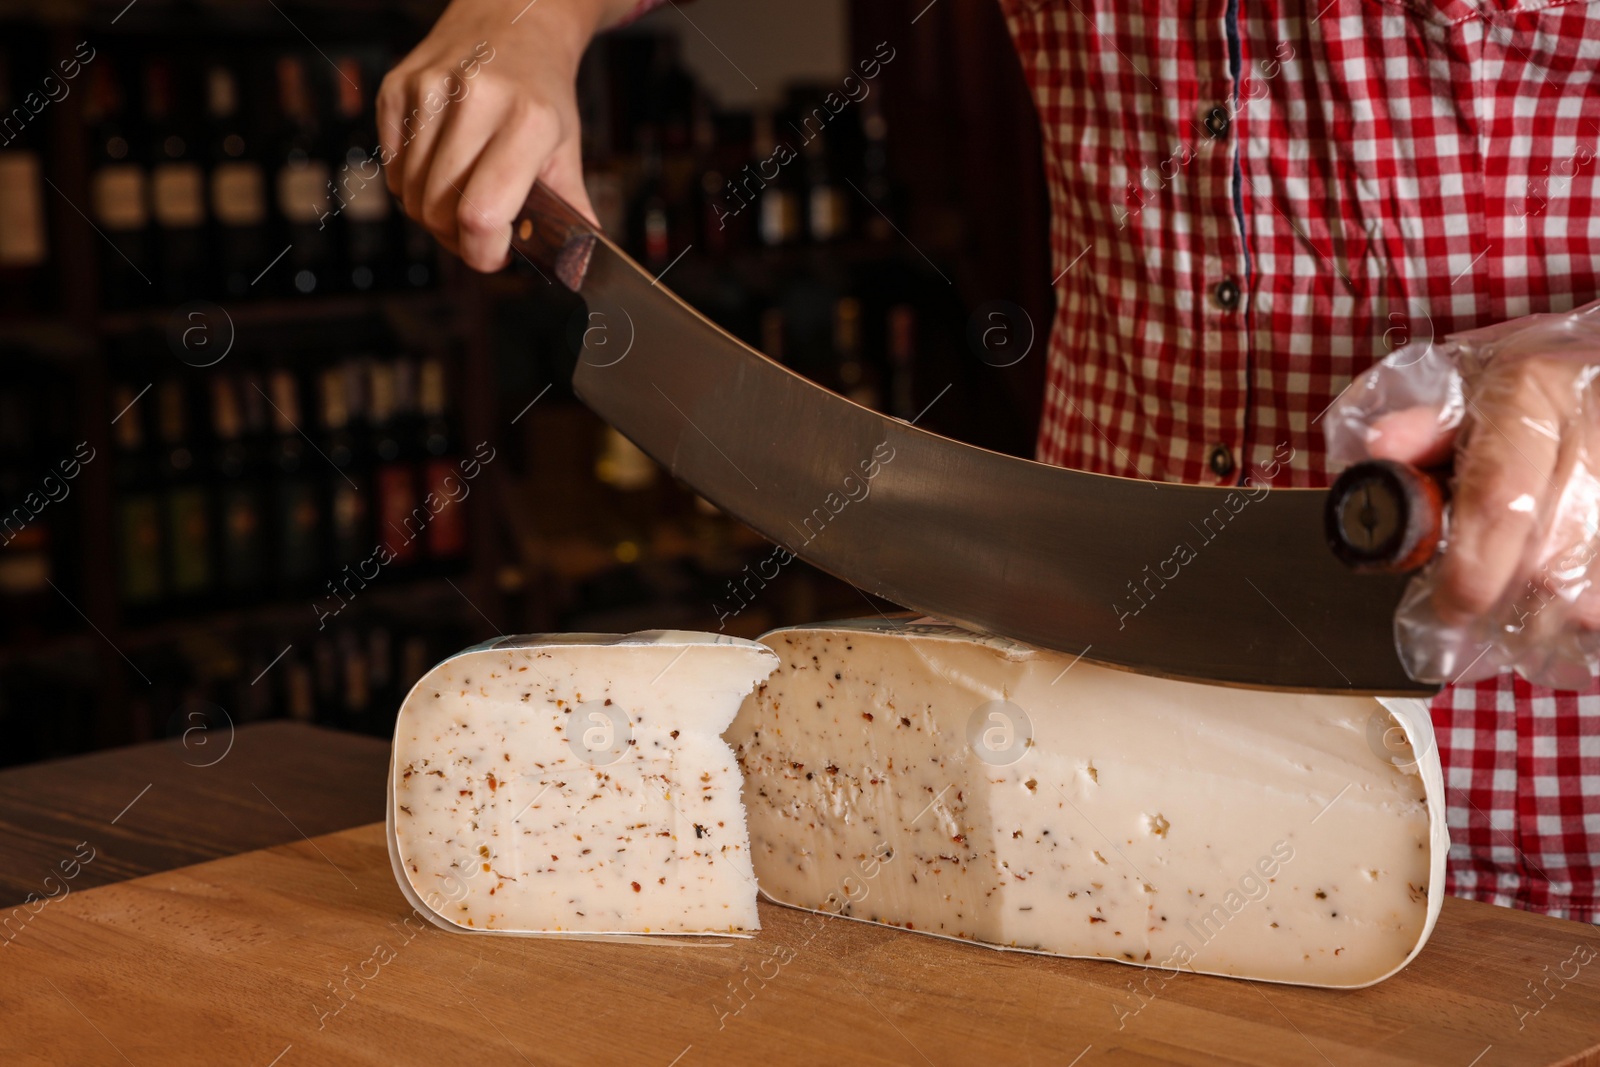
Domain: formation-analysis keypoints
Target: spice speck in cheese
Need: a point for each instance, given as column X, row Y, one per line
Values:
column 551, row 802
column 1091, row 812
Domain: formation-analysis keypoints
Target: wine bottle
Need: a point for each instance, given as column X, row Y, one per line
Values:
column 380, row 669
column 136, row 508
column 240, row 512
column 24, row 234
column 360, row 195
column 649, row 222
column 779, row 205
column 772, row 334
column 827, row 209
column 297, row 512
column 241, row 246
column 854, row 377
column 117, row 193
column 27, row 523
column 443, row 482
column 902, row 331
column 345, row 499
column 875, row 181
column 186, row 512
column 399, row 522
column 177, row 189
column 302, row 184
column 356, row 677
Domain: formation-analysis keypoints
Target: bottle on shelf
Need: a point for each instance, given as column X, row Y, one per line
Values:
column 186, row 512
column 855, row 378
column 875, row 180
column 772, row 330
column 302, row 186
column 297, row 511
column 779, row 219
column 827, row 207
column 902, row 346
column 136, row 508
column 728, row 186
column 24, row 232
column 177, row 189
column 27, row 524
column 820, row 133
column 241, row 244
column 650, row 218
column 346, row 498
column 360, row 195
column 240, row 509
column 396, row 518
column 355, row 670
column 118, row 198
column 442, row 475
column 380, row 669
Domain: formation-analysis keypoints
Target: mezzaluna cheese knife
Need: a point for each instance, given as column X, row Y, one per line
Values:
column 1221, row 585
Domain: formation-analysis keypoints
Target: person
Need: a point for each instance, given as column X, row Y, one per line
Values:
column 1252, row 204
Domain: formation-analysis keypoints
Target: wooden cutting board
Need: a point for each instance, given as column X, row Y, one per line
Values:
column 237, row 961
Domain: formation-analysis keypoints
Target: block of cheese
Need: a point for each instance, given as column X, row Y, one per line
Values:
column 577, row 784
column 916, row 774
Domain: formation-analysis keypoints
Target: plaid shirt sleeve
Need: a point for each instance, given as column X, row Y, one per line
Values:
column 1235, row 245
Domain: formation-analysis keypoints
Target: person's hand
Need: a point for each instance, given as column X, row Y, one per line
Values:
column 1517, row 583
column 1524, row 466
column 482, row 107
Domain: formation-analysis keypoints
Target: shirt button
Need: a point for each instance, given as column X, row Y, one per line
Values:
column 1226, row 294
column 1220, row 460
column 1217, row 123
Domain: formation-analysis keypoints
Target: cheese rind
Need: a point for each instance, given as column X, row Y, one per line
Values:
column 576, row 784
column 922, row 776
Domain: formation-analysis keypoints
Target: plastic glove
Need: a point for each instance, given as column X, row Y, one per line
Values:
column 1517, row 584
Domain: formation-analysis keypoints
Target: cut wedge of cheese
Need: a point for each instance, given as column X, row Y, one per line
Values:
column 577, row 784
column 916, row 774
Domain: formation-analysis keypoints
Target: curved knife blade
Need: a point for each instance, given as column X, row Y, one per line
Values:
column 1218, row 585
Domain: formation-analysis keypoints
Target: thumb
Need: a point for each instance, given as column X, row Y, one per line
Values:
column 1415, row 435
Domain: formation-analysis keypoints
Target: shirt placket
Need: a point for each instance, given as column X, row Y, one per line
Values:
column 1220, row 284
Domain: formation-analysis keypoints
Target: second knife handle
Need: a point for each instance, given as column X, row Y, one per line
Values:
column 554, row 235
column 1385, row 516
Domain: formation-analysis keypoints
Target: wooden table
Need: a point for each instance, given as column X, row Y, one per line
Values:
column 153, row 807
column 306, row 953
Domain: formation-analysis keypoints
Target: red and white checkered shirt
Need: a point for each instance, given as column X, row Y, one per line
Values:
column 1233, row 250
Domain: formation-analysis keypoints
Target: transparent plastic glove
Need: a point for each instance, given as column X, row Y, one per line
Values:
column 1517, row 584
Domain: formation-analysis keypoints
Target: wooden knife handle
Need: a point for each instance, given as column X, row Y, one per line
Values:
column 551, row 233
column 1385, row 516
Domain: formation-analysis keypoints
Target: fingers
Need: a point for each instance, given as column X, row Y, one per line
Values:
column 391, row 105
column 462, row 158
column 455, row 152
column 488, row 201
column 1504, row 483
column 1414, row 435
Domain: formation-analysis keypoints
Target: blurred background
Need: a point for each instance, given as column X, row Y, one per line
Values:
column 231, row 371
